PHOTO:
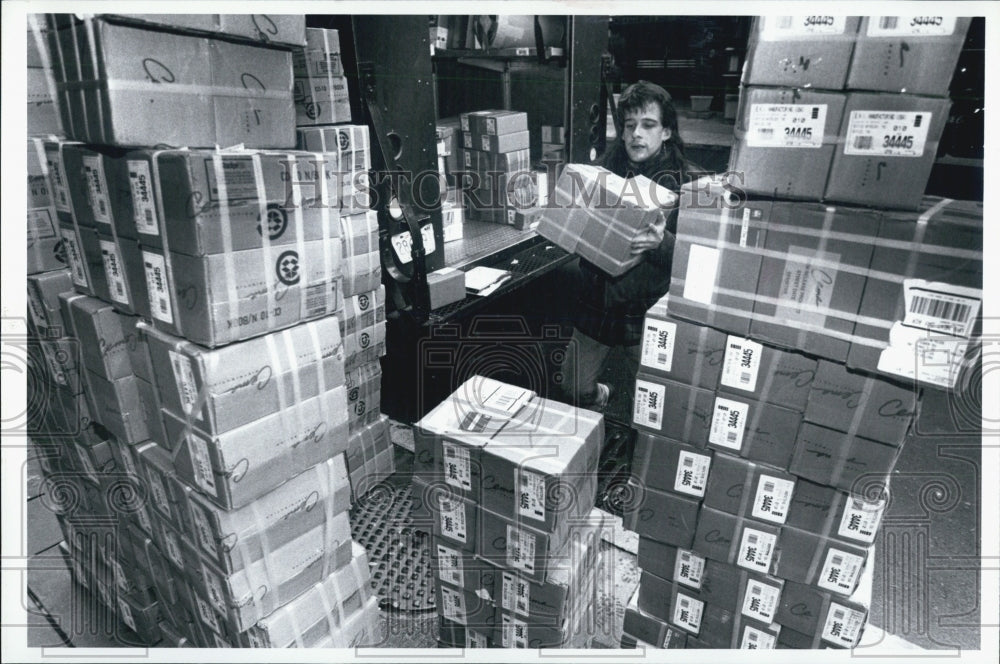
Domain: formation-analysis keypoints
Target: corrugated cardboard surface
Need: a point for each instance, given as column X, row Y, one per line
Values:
column 800, row 51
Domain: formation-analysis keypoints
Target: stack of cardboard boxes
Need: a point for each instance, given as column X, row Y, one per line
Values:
column 768, row 401
column 227, row 313
column 496, row 156
column 505, row 482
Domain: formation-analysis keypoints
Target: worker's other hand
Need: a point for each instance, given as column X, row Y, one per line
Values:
column 649, row 238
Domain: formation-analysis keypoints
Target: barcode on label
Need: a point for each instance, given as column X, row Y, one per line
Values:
column 752, row 539
column 767, row 131
column 756, row 590
column 752, row 636
column 315, row 299
column 689, row 462
column 888, row 22
column 838, row 560
column 745, row 378
column 769, row 486
column 654, row 418
column 731, row 437
column 661, row 358
column 862, row 142
column 838, row 614
column 955, row 311
column 149, row 215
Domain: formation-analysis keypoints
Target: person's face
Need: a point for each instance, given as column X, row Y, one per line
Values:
column 644, row 132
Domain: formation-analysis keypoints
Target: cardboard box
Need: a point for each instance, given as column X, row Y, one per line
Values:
column 668, row 465
column 744, row 488
column 670, row 563
column 350, row 142
column 546, row 473
column 362, row 327
column 117, row 406
column 369, row 456
column 43, row 116
column 125, row 275
column 675, row 605
column 681, row 351
column 362, row 269
column 494, row 123
column 465, row 608
column 516, row 632
column 244, row 382
column 717, row 626
column 827, row 563
column 321, row 55
column 165, row 493
column 44, row 311
column 749, row 544
column 848, row 463
column 911, row 54
column 201, row 203
column 767, row 374
column 800, row 51
column 94, row 69
column 238, row 466
column 748, row 594
column 275, row 29
column 42, row 237
column 814, row 612
column 829, row 512
column 665, row 407
column 101, row 195
column 493, row 164
column 596, row 214
column 325, row 610
column 363, row 384
column 452, row 220
column 754, row 430
column 321, row 100
column 108, row 340
column 647, row 628
column 666, row 517
column 445, row 286
column 860, row 405
column 455, row 635
column 553, row 134
column 461, row 569
column 812, row 277
column 938, row 264
column 889, row 143
column 232, row 539
column 453, row 519
column 785, row 141
column 717, row 255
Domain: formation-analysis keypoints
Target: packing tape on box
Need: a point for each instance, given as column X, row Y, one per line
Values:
column 328, row 542
column 320, row 373
column 325, row 221
column 225, row 227
column 334, row 627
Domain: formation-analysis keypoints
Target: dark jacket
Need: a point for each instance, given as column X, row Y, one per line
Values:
column 611, row 309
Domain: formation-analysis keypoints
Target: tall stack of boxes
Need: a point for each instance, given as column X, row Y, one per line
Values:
column 505, row 482
column 780, row 375
column 496, row 154
column 212, row 351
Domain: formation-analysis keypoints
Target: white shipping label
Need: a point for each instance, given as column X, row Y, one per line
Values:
column 689, row 568
column 143, row 205
column 741, row 364
column 453, row 605
column 158, row 286
column 450, row 566
column 786, row 125
column 457, row 467
column 887, row 133
column 475, row 639
column 841, row 571
column 173, row 548
column 861, row 520
column 910, row 26
column 702, row 273
column 843, row 625
column 187, row 388
column 126, row 614
column 215, row 593
column 514, row 632
column 40, row 224
column 688, row 612
column 774, row 495
column 516, row 594
column 756, row 639
column 692, row 473
column 57, row 176
column 203, row 530
column 728, row 423
column 756, row 550
column 114, row 269
column 201, row 463
column 531, row 494
column 452, row 517
column 206, row 613
column 777, row 28
column 402, row 243
column 761, row 600
column 36, row 309
column 97, row 188
column 658, row 344
column 929, row 358
column 159, row 492
column 940, row 307
column 648, row 409
column 807, row 286
column 75, row 255
column 520, row 549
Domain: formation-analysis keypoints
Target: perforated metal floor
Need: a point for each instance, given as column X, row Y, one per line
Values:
column 399, row 555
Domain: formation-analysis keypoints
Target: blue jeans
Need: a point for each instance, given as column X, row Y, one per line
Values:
column 583, row 364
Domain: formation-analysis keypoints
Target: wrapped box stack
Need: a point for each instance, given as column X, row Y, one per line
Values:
column 781, row 374
column 210, row 357
column 505, row 481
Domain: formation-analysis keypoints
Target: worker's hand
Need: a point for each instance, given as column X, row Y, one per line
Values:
column 650, row 237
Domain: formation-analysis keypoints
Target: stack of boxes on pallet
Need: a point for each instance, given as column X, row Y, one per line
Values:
column 211, row 356
column 505, row 482
column 496, row 156
column 780, row 376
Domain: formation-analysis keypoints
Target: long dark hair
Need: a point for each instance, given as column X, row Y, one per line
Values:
column 670, row 167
